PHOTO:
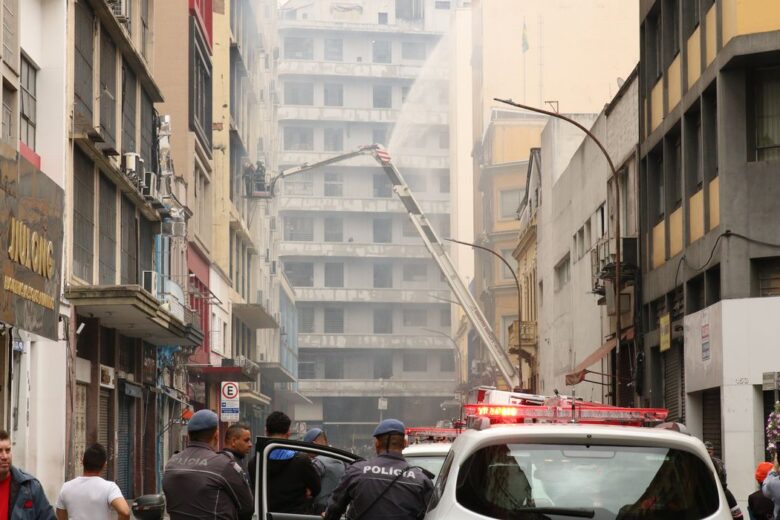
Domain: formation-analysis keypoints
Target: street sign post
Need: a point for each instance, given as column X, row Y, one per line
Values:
column 229, row 410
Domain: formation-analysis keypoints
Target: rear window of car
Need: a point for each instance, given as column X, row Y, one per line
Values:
column 615, row 482
column 431, row 463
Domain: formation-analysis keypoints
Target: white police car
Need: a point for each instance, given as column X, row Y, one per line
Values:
column 562, row 470
column 428, row 456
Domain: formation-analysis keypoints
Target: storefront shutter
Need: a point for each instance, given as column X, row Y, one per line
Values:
column 711, row 419
column 674, row 383
column 104, row 433
column 124, row 445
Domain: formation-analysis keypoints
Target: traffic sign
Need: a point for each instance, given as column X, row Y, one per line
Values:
column 382, row 404
column 229, row 409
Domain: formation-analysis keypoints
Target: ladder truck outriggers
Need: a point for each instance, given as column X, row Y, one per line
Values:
column 429, row 237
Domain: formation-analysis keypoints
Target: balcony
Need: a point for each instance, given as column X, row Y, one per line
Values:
column 136, row 313
column 254, row 313
column 275, row 372
column 250, row 393
column 375, row 387
column 353, row 69
column 294, row 203
column 430, row 161
column 349, row 249
column 357, row 115
column 400, row 27
column 308, row 294
column 240, row 368
column 528, row 334
column 372, row 341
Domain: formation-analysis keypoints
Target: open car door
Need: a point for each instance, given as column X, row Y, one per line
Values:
column 264, row 446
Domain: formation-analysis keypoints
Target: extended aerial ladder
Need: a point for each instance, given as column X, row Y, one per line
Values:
column 432, row 243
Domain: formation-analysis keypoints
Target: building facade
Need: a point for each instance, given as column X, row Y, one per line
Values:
column 366, row 287
column 708, row 158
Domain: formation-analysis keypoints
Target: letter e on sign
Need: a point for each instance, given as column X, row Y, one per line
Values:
column 229, row 409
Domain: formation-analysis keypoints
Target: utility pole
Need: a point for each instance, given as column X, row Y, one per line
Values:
column 616, row 178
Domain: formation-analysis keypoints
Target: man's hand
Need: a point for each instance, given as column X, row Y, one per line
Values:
column 62, row 514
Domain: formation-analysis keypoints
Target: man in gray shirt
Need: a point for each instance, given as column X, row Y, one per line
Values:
column 771, row 485
column 329, row 469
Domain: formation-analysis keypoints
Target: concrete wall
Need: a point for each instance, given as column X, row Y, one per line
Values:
column 41, row 437
column 743, row 345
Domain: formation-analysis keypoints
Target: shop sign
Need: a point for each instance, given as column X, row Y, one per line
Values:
column 31, row 222
column 666, row 332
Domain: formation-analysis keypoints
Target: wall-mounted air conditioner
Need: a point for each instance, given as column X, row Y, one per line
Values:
column 174, row 228
column 150, row 185
column 120, row 9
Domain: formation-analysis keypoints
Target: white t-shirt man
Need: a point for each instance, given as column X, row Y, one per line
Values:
column 89, row 498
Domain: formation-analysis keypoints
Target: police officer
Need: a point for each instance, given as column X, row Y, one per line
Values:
column 385, row 487
column 201, row 483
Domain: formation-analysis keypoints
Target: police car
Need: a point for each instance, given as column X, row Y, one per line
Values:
column 575, row 460
column 428, row 447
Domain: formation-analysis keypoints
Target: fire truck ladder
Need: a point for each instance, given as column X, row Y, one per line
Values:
column 434, row 246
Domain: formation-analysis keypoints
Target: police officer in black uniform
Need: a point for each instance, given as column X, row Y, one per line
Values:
column 201, row 483
column 385, row 487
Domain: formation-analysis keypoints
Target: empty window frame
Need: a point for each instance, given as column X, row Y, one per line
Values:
column 299, row 93
column 445, row 318
column 300, row 184
column 305, row 319
column 333, row 139
column 333, row 95
column 107, row 88
column 28, row 108
column 107, row 232
column 417, row 272
column 333, row 49
column 383, row 275
column 333, row 229
column 334, row 274
column 562, row 273
column 446, row 362
column 766, row 113
column 383, row 96
column 509, row 202
column 129, row 90
column 506, row 272
column 383, row 230
column 83, row 215
column 298, row 138
column 296, row 48
column 299, row 229
column 409, row 10
column 333, row 320
column 300, row 274
column 382, row 189
column 379, row 136
column 383, row 321
column 382, row 51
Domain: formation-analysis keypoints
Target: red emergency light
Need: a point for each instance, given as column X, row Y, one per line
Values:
column 589, row 413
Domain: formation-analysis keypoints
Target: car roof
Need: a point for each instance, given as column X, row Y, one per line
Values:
column 433, row 448
column 471, row 440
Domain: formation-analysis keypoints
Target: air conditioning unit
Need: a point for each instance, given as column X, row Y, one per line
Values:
column 150, row 281
column 120, row 9
column 149, row 188
column 174, row 228
column 107, row 377
column 132, row 166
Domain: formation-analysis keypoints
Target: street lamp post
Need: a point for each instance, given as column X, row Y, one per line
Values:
column 520, row 354
column 616, row 177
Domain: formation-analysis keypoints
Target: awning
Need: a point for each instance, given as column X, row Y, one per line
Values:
column 254, row 315
column 134, row 313
column 274, row 372
column 219, row 374
column 580, row 371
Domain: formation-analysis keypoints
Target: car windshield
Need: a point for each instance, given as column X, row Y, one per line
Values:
column 432, row 463
column 616, row 482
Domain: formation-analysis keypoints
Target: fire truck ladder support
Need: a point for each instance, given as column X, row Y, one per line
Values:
column 434, row 246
